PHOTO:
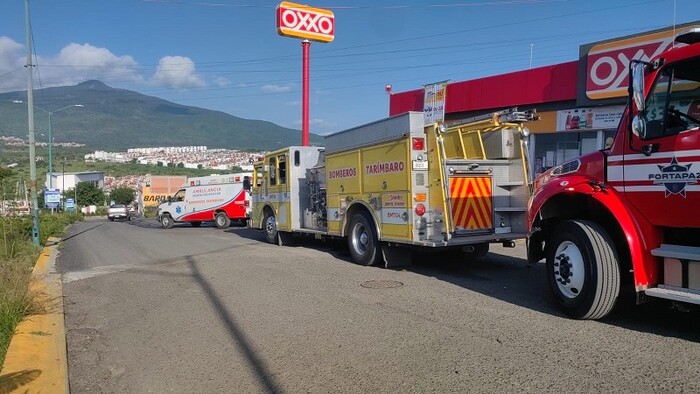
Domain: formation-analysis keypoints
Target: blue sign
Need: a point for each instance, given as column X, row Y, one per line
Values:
column 52, row 198
column 70, row 204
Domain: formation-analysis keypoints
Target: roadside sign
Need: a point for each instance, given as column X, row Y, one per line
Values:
column 70, row 204
column 52, row 198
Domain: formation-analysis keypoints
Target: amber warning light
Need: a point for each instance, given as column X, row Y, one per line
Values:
column 302, row 21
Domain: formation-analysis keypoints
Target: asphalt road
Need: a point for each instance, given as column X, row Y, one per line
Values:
column 203, row 310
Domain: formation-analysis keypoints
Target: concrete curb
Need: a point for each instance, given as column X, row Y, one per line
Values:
column 36, row 360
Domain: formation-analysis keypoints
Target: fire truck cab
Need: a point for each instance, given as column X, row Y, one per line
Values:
column 628, row 217
column 396, row 182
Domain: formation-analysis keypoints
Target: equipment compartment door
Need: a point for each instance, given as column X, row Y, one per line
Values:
column 471, row 204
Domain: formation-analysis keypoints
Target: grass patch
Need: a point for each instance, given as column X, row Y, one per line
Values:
column 17, row 258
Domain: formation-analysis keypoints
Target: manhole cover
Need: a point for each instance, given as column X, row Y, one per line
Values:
column 381, row 284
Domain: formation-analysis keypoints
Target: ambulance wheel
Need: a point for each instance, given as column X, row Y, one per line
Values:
column 270, row 227
column 222, row 220
column 196, row 224
column 166, row 221
column 583, row 270
column 362, row 240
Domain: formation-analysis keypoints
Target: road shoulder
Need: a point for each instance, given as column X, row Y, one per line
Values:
column 36, row 360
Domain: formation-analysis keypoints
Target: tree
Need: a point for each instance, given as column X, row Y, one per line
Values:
column 180, row 165
column 89, row 194
column 122, row 195
column 5, row 173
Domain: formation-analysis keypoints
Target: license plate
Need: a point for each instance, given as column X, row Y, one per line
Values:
column 420, row 165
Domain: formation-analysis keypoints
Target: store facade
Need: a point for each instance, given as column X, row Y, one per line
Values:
column 580, row 102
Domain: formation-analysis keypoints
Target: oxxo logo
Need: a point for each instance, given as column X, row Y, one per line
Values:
column 607, row 69
column 297, row 20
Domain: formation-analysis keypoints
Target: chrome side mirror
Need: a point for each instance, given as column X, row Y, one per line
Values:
column 639, row 126
column 638, row 86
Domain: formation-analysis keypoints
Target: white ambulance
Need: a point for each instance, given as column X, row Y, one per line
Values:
column 217, row 198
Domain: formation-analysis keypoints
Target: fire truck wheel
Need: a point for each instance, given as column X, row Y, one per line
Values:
column 222, row 220
column 583, row 270
column 166, row 221
column 196, row 224
column 270, row 227
column 363, row 241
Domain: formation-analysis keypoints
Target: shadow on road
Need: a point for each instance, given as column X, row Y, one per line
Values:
column 512, row 280
column 74, row 234
column 234, row 331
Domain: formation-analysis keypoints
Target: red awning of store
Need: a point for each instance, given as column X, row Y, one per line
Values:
column 528, row 87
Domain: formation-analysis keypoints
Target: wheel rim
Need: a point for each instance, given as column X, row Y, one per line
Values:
column 219, row 220
column 270, row 226
column 166, row 221
column 360, row 238
column 569, row 269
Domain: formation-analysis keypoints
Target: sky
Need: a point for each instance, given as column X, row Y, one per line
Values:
column 226, row 55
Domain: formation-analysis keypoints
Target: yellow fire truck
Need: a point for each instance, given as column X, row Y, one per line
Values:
column 396, row 182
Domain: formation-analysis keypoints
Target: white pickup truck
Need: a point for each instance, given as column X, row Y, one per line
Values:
column 118, row 211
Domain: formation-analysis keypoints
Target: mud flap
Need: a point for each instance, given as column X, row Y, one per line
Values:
column 284, row 238
column 395, row 256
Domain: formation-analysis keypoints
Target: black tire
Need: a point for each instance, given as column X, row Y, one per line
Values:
column 363, row 241
column 166, row 221
column 583, row 270
column 222, row 220
column 196, row 224
column 270, row 228
column 111, row 219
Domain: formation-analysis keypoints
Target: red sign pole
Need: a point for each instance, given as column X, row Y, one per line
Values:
column 305, row 93
column 307, row 23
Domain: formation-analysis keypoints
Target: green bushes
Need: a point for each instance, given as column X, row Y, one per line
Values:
column 17, row 258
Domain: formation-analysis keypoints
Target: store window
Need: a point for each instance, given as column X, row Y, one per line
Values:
column 552, row 149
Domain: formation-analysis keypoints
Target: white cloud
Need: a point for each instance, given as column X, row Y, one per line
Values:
column 73, row 64
column 221, row 81
column 177, row 72
column 11, row 62
column 277, row 88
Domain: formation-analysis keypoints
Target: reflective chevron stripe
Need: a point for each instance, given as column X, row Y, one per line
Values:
column 471, row 203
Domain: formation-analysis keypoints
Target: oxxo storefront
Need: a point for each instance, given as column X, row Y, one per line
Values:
column 580, row 102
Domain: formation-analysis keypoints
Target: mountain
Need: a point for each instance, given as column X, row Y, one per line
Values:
column 116, row 119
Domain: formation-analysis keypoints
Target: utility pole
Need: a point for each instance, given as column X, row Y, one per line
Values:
column 63, row 187
column 30, row 111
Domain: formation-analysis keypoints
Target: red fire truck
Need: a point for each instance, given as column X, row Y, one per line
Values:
column 629, row 215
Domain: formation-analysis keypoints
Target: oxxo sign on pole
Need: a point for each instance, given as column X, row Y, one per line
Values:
column 307, row 23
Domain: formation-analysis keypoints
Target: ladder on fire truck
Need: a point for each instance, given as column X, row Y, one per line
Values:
column 464, row 154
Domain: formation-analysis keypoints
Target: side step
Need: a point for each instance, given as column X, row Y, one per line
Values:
column 675, row 294
column 681, row 274
column 677, row 252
